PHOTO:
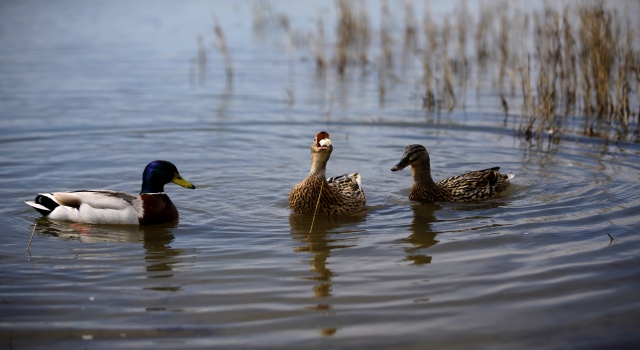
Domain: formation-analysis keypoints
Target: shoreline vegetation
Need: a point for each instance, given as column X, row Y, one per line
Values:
column 574, row 69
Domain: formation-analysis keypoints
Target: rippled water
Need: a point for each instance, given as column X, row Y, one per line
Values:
column 91, row 92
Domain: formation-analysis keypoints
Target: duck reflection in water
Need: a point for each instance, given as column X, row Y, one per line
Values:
column 422, row 236
column 159, row 255
column 323, row 238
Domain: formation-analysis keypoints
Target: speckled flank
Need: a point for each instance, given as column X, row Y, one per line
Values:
column 469, row 187
column 337, row 197
column 334, row 200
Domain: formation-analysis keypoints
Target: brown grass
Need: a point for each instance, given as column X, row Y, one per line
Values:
column 318, row 46
column 555, row 64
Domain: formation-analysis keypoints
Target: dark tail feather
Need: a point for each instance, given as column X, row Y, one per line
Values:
column 43, row 204
column 47, row 202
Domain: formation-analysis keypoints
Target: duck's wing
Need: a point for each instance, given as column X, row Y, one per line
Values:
column 476, row 185
column 101, row 206
column 98, row 199
column 474, row 179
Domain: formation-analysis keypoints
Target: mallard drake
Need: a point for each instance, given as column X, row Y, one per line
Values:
column 151, row 207
column 340, row 195
column 469, row 187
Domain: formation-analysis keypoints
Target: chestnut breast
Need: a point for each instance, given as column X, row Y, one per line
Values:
column 158, row 209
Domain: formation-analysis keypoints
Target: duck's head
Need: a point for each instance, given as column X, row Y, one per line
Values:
column 412, row 154
column 160, row 172
column 322, row 144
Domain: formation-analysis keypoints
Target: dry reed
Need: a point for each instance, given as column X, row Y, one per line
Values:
column 31, row 239
column 318, row 46
column 430, row 29
column 316, row 210
column 353, row 34
column 223, row 48
column 572, row 61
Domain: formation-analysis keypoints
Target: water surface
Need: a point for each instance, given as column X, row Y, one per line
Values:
column 91, row 92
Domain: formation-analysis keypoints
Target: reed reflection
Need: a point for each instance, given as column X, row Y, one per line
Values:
column 422, row 236
column 225, row 99
column 319, row 243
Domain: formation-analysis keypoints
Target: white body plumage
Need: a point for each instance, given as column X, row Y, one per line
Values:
column 94, row 207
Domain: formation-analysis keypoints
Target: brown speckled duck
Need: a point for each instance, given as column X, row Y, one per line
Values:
column 151, row 207
column 469, row 187
column 340, row 195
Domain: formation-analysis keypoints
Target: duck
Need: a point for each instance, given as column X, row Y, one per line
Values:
column 151, row 207
column 470, row 187
column 337, row 195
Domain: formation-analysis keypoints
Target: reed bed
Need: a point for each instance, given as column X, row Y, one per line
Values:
column 574, row 69
column 223, row 48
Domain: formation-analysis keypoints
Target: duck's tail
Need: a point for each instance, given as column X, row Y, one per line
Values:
column 358, row 179
column 44, row 203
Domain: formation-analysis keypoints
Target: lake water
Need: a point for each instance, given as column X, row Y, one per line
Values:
column 90, row 92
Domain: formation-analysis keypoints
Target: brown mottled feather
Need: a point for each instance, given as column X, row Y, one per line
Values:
column 337, row 199
column 340, row 195
column 469, row 187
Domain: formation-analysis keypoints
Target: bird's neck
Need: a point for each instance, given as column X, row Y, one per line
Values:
column 151, row 187
column 422, row 174
column 318, row 166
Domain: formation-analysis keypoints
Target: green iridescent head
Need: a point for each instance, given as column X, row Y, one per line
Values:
column 160, row 172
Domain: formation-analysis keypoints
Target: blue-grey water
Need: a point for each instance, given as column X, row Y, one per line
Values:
column 90, row 92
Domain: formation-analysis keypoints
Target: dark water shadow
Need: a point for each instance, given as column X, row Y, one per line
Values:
column 158, row 253
column 491, row 204
column 156, row 240
column 327, row 235
column 422, row 235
